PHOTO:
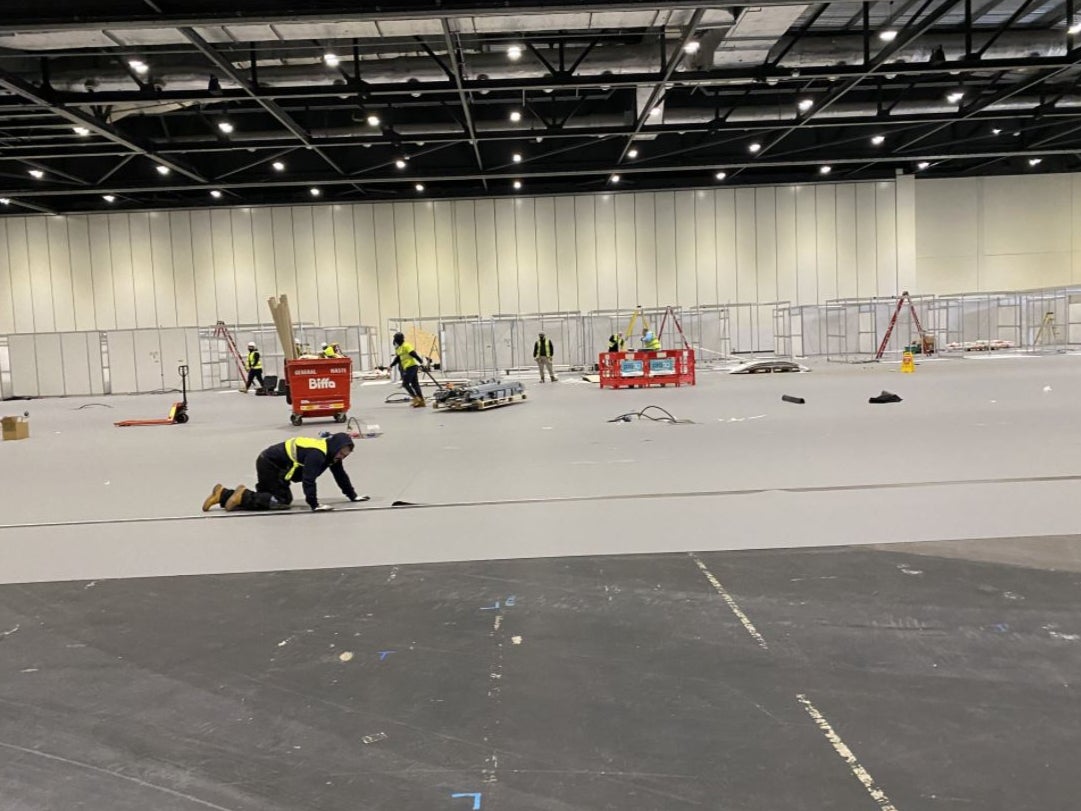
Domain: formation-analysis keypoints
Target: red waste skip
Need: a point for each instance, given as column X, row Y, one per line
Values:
column 319, row 387
column 636, row 370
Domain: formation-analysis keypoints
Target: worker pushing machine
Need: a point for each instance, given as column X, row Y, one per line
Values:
column 300, row 459
column 543, row 350
column 255, row 367
column 406, row 357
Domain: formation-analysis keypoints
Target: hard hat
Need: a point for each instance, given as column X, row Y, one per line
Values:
column 324, row 346
column 251, row 344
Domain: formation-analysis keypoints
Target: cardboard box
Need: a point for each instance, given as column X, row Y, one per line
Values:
column 15, row 427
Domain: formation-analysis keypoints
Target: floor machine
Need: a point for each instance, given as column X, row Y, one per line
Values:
column 178, row 414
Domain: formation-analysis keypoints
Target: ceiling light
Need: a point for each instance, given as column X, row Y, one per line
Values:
column 83, row 131
column 1035, row 161
column 138, row 65
column 278, row 166
column 955, row 96
column 878, row 140
column 37, row 174
column 1074, row 29
column 162, row 170
column 996, row 131
column 517, row 184
column 549, row 89
column 374, row 120
column 514, row 52
column 5, row 201
column 754, row 147
column 331, row 59
column 922, row 165
column 692, row 46
column 419, row 187
column 515, row 116
column 215, row 193
column 108, row 198
column 720, row 175
column 400, row 163
column 614, row 178
column 516, row 157
column 824, row 170
column 805, row 105
column 655, row 111
column 887, row 35
column 225, row 127
column 314, row 192
column 633, row 153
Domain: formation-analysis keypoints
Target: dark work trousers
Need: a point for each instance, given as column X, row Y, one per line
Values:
column 270, row 483
column 410, row 382
column 255, row 374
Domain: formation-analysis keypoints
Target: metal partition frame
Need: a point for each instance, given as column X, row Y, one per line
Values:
column 855, row 327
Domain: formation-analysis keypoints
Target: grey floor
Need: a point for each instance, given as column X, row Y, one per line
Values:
column 834, row 605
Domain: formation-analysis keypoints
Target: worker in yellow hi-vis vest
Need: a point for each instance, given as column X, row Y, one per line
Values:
column 650, row 342
column 255, row 367
column 300, row 459
column 543, row 350
column 410, row 362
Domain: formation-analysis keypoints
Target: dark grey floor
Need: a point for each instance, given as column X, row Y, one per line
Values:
column 574, row 683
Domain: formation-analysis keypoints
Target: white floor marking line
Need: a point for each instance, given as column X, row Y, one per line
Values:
column 877, row 794
column 743, row 618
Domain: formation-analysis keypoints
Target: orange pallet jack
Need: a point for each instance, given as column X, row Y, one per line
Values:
column 926, row 341
column 178, row 414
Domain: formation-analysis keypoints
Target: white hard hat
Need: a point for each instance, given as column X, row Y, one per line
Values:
column 251, row 344
column 324, row 346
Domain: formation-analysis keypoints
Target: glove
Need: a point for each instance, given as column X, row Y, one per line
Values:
column 322, row 508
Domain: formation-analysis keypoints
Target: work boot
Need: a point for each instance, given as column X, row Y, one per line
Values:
column 234, row 500
column 213, row 498
column 418, row 402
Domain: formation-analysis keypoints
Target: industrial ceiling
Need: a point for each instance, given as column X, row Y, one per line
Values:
column 118, row 104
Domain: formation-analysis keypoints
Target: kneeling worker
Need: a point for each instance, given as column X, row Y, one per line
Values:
column 410, row 362
column 300, row 459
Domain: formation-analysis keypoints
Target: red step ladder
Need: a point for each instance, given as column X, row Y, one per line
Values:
column 904, row 297
column 222, row 331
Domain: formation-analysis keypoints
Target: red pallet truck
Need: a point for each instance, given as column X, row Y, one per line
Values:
column 178, row 414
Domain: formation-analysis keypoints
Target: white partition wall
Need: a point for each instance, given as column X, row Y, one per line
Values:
column 55, row 364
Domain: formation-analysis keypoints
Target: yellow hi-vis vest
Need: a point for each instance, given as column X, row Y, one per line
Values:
column 252, row 363
column 329, row 352
column 651, row 341
column 405, row 357
column 291, row 446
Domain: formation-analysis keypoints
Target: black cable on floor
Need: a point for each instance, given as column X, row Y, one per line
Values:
column 668, row 416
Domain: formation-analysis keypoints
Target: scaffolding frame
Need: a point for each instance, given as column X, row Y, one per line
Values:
column 856, row 327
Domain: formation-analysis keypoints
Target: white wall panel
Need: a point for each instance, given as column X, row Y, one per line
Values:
column 248, row 308
column 285, row 262
column 527, row 281
column 565, row 252
column 806, row 245
column 122, row 369
column 184, row 269
column 60, row 272
column 604, row 224
column 81, row 357
column 746, row 246
column 123, row 272
column 345, row 264
column 506, row 256
column 406, row 269
column 765, row 250
column 82, row 275
column 866, row 241
column 886, row 232
column 684, row 257
column 7, row 309
column 142, row 270
column 626, row 238
column 465, row 229
column 427, row 264
column 444, row 259
column 785, row 240
column 715, row 238
column 206, row 296
column 22, row 289
column 645, row 250
column 1026, row 215
column 309, row 276
column 50, row 364
column 371, row 304
column 664, row 212
column 101, row 271
column 547, row 266
column 22, row 355
column 826, row 241
column 149, row 363
column 37, row 244
column 487, row 257
column 386, row 262
column 586, row 249
column 264, row 285
column 161, row 259
column 845, row 241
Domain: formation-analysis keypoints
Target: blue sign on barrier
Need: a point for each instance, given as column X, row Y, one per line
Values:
column 631, row 368
column 662, row 366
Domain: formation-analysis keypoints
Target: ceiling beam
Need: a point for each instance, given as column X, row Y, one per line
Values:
column 456, row 68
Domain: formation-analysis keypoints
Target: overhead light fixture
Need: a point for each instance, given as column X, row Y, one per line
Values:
column 515, row 116
column 225, row 127
column 514, row 52
column 878, row 140
column 37, row 174
column 314, row 192
column 824, row 170
column 400, row 163
column 81, row 131
column 805, row 105
column 614, row 178
column 331, row 59
column 1074, row 29
column 517, row 184
column 215, row 193
column 419, row 187
column 632, row 153
column 1035, row 161
column 5, row 201
column 108, row 198
column 516, row 157
column 754, row 147
column 278, row 166
column 692, row 46
column 721, row 175
column 162, row 170
column 374, row 120
column 549, row 89
column 655, row 111
column 996, row 131
column 138, row 65
column 955, row 96
column 887, row 34
column 922, row 165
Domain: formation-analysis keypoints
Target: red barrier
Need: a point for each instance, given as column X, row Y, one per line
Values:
column 639, row 370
